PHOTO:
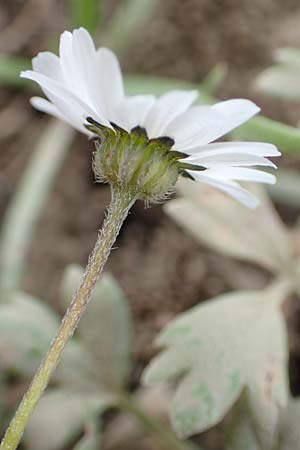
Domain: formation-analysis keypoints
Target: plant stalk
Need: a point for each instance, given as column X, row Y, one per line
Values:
column 120, row 205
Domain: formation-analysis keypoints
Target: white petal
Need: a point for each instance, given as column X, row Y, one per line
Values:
column 48, row 64
column 166, row 109
column 70, row 114
column 132, row 111
column 194, row 127
column 84, row 54
column 89, row 73
column 78, row 61
column 213, row 122
column 253, row 148
column 82, row 82
column 68, row 64
column 236, row 111
column 213, row 155
column 110, row 82
column 70, row 105
column 83, row 46
column 223, row 158
column 233, row 189
column 240, row 174
column 45, row 106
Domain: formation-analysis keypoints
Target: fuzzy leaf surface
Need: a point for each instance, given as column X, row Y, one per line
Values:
column 216, row 350
column 281, row 81
column 222, row 224
column 59, row 418
column 26, row 329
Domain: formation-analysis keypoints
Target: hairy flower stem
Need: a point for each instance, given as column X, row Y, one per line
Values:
column 120, row 205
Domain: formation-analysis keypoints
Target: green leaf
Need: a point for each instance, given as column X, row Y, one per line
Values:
column 30, row 197
column 128, row 17
column 234, row 342
column 10, row 68
column 263, row 129
column 214, row 79
column 59, row 418
column 105, row 329
column 85, row 13
column 27, row 327
column 222, row 224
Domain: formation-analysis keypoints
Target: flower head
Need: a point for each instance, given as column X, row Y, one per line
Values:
column 146, row 141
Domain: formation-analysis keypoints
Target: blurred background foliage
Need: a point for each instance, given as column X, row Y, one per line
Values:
column 200, row 245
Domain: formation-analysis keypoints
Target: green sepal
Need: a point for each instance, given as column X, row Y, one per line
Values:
column 148, row 166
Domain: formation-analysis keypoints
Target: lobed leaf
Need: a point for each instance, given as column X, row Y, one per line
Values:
column 214, row 351
column 225, row 226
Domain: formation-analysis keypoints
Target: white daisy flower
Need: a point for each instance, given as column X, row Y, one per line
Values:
column 85, row 88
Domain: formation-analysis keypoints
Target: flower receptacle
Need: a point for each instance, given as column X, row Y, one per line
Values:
column 132, row 160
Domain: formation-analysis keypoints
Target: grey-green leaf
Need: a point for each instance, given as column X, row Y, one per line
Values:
column 288, row 55
column 105, row 329
column 27, row 327
column 225, row 226
column 58, row 419
column 76, row 369
column 214, row 351
column 281, row 81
